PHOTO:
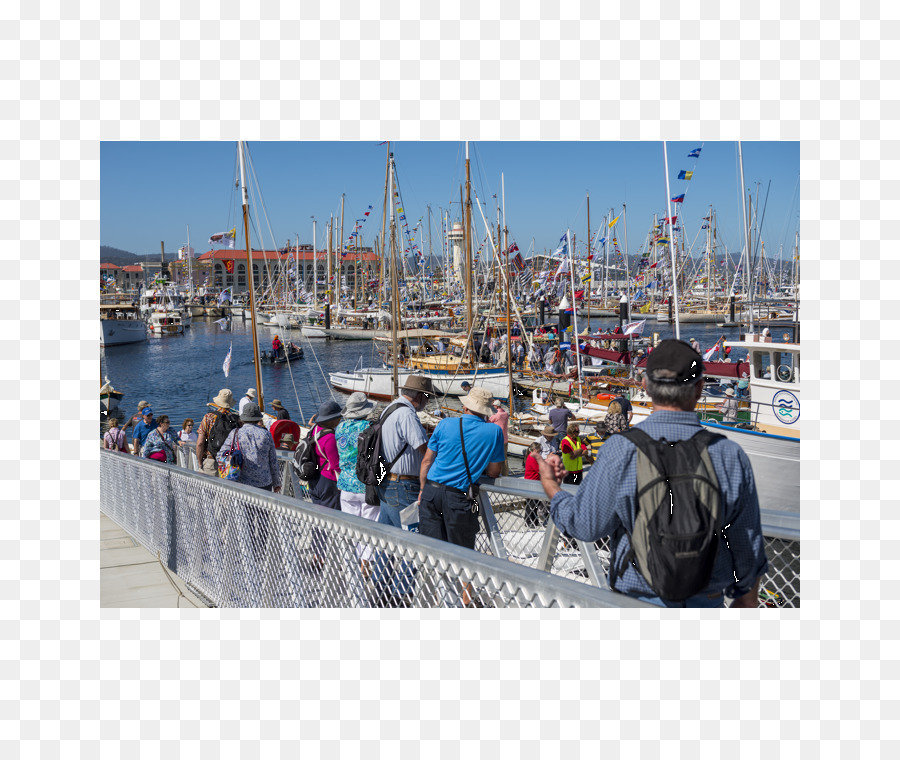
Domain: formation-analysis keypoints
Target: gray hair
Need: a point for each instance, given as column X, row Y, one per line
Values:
column 680, row 395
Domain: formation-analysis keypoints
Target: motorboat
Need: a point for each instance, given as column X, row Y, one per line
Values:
column 120, row 324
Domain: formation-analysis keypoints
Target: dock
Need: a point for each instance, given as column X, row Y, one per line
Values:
column 130, row 576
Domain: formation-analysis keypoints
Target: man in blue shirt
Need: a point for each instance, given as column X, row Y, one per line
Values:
column 605, row 503
column 142, row 430
column 445, row 512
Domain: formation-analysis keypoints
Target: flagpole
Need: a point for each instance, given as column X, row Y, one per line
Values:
column 246, row 205
column 671, row 245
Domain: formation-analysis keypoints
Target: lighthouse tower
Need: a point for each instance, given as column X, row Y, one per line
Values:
column 456, row 237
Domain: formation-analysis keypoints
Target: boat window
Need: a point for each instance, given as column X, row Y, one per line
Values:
column 786, row 366
column 762, row 364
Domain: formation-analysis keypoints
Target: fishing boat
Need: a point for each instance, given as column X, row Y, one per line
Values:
column 120, row 324
column 165, row 322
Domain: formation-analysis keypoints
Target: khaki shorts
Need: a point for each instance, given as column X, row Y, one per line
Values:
column 209, row 467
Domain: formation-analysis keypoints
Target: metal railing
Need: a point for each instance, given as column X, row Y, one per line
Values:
column 515, row 527
column 238, row 546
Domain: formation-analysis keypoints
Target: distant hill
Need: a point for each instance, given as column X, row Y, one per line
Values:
column 110, row 255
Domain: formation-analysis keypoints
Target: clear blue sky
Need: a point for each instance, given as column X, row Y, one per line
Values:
column 154, row 191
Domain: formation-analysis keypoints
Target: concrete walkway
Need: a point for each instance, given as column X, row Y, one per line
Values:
column 130, row 576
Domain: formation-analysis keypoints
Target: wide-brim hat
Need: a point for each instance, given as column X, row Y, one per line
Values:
column 225, row 399
column 678, row 357
column 251, row 413
column 729, row 391
column 479, row 400
column 549, row 430
column 358, row 406
column 251, row 392
column 328, row 411
column 277, row 403
column 418, row 384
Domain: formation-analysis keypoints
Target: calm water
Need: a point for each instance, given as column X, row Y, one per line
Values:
column 179, row 375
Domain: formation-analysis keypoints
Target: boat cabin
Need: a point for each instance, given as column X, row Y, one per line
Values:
column 774, row 385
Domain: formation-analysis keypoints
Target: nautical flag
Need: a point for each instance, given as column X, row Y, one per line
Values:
column 223, row 238
column 709, row 354
column 563, row 247
column 612, row 223
column 695, row 153
column 222, row 323
column 518, row 261
column 224, row 295
column 586, row 278
column 678, row 198
column 654, row 265
column 563, row 268
column 685, row 175
column 671, row 220
column 229, row 265
column 185, row 251
column 226, row 365
column 634, row 328
column 513, row 248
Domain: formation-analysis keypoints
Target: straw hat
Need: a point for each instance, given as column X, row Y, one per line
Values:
column 251, row 392
column 224, row 400
column 251, row 413
column 549, row 430
column 418, row 384
column 358, row 407
column 729, row 391
column 479, row 401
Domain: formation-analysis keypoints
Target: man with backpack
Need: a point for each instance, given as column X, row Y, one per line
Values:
column 682, row 511
column 214, row 429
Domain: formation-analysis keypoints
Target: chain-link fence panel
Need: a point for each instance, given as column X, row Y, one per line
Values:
column 238, row 546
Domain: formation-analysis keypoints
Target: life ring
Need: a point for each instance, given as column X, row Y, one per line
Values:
column 280, row 428
column 605, row 396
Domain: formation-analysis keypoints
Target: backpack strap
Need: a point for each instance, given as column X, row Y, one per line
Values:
column 462, row 442
column 391, row 408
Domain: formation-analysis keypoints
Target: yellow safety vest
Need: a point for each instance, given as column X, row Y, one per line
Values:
column 570, row 462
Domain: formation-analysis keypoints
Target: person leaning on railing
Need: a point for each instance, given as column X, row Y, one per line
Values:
column 221, row 404
column 606, row 506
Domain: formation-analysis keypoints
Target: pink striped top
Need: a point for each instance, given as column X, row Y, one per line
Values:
column 326, row 445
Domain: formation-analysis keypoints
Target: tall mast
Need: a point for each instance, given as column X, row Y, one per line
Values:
column 574, row 313
column 190, row 267
column 246, row 205
column 384, row 215
column 395, row 299
column 672, row 245
column 315, row 268
column 590, row 262
column 340, row 261
column 746, row 221
column 468, row 224
column 708, row 254
column 508, row 326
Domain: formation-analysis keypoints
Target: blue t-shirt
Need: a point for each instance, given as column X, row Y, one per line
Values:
column 142, row 430
column 484, row 444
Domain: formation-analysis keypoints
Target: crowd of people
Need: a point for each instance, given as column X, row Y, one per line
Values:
column 439, row 473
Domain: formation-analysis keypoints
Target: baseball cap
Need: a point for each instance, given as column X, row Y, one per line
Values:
column 146, row 410
column 678, row 357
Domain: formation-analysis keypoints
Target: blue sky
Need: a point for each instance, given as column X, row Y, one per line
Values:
column 154, row 191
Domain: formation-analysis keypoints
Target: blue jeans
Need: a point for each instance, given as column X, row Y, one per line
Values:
column 394, row 495
column 700, row 600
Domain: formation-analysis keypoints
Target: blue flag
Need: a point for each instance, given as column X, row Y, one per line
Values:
column 695, row 153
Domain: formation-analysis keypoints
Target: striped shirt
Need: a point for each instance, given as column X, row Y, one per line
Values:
column 605, row 506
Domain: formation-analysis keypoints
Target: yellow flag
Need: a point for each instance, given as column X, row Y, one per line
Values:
column 612, row 223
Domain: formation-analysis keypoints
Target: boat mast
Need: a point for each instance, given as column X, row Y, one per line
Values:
column 190, row 268
column 671, row 245
column 508, row 326
column 746, row 221
column 382, row 282
column 395, row 301
column 574, row 312
column 315, row 268
column 590, row 268
column 246, row 206
column 340, row 261
column 708, row 254
column 468, row 272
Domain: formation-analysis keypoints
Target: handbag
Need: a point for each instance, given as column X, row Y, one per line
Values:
column 229, row 466
column 474, row 489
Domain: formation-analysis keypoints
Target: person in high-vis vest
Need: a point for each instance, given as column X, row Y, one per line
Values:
column 573, row 451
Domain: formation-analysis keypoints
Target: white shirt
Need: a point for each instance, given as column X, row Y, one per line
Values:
column 243, row 402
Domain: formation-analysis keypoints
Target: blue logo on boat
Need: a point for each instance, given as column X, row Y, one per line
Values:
column 786, row 407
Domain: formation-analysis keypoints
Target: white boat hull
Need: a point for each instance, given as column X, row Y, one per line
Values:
column 377, row 383
column 776, row 466
column 116, row 332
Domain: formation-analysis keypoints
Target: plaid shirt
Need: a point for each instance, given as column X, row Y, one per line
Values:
column 605, row 506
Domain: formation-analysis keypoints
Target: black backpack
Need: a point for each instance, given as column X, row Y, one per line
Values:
column 678, row 515
column 371, row 466
column 225, row 422
column 306, row 458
